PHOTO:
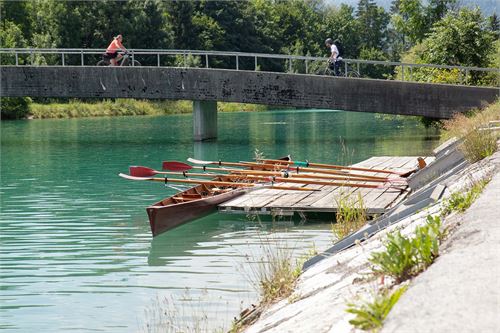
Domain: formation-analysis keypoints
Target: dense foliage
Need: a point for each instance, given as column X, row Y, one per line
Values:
column 444, row 33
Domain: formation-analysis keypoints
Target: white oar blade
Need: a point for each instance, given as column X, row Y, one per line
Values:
column 123, row 175
column 195, row 161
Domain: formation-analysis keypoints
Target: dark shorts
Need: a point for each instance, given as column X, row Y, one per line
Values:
column 111, row 55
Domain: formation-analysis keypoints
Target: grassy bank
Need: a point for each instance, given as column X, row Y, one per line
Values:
column 125, row 107
column 479, row 141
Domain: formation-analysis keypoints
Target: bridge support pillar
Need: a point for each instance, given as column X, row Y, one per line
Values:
column 204, row 120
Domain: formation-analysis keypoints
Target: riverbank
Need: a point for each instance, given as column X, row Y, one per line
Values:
column 354, row 284
column 324, row 291
column 125, row 107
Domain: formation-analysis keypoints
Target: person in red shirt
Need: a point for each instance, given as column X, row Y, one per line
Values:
column 113, row 48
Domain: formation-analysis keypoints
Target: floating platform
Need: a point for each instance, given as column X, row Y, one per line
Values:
column 287, row 203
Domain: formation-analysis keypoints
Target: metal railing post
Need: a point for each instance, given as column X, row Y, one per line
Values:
column 411, row 73
column 158, row 59
column 185, row 59
column 290, row 67
column 357, row 67
column 206, row 60
column 402, row 72
column 62, row 57
column 237, row 63
column 466, row 76
column 17, row 59
column 81, row 57
column 132, row 58
column 345, row 68
column 32, row 58
column 255, row 62
column 306, row 67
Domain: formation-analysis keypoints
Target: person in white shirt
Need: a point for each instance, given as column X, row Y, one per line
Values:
column 335, row 57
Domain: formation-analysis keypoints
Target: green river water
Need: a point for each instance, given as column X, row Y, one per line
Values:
column 76, row 250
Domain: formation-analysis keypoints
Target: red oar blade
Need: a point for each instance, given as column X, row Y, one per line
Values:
column 140, row 171
column 176, row 166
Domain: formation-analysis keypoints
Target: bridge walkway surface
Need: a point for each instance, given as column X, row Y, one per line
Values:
column 375, row 200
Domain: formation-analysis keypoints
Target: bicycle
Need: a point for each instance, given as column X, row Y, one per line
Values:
column 343, row 66
column 124, row 61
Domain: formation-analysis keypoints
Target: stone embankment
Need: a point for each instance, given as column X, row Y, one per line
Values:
column 459, row 292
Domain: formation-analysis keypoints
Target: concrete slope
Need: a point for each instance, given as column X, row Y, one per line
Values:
column 460, row 292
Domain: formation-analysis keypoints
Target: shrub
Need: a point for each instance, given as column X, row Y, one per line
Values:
column 426, row 241
column 405, row 257
column 14, row 107
column 371, row 315
column 399, row 258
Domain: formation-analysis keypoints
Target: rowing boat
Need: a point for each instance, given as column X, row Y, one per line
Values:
column 193, row 203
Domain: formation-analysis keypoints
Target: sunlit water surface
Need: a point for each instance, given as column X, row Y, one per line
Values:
column 76, row 249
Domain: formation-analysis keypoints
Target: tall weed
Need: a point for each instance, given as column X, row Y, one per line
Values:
column 478, row 143
column 350, row 215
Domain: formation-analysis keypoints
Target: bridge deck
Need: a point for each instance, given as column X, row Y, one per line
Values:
column 375, row 200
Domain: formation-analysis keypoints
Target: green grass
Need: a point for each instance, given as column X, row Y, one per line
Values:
column 350, row 215
column 460, row 201
column 126, row 107
column 371, row 315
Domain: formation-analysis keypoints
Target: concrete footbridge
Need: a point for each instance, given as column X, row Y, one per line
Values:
column 280, row 80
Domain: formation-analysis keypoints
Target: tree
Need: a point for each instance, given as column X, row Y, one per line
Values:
column 459, row 39
column 341, row 24
column 373, row 22
column 408, row 19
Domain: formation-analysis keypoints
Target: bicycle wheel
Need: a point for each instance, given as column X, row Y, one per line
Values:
column 135, row 63
column 352, row 73
column 101, row 63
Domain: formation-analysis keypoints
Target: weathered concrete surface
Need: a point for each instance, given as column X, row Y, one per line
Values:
column 204, row 120
column 460, row 292
column 295, row 90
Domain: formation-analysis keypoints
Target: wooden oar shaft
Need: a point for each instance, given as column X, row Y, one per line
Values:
column 307, row 169
column 279, row 165
column 212, row 182
column 291, row 174
column 310, row 181
column 333, row 166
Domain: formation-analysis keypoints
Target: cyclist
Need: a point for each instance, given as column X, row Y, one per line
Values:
column 335, row 58
column 113, row 48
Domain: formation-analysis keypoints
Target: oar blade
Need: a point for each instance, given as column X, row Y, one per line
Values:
column 195, row 161
column 140, row 171
column 176, row 166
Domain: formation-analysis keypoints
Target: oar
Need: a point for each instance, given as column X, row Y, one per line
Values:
column 285, row 174
column 274, row 166
column 138, row 171
column 330, row 166
column 215, row 183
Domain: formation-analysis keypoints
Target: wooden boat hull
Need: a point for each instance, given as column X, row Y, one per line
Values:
column 165, row 215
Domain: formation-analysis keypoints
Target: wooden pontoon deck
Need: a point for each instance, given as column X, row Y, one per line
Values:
column 375, row 200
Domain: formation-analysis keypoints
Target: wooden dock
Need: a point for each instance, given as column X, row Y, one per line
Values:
column 375, row 200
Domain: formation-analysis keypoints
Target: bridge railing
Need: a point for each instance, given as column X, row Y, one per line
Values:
column 260, row 61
